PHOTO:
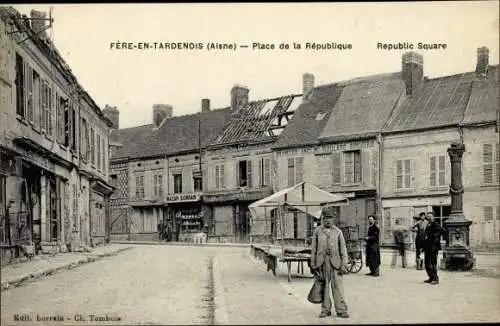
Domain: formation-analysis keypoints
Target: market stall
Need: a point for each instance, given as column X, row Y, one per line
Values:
column 303, row 197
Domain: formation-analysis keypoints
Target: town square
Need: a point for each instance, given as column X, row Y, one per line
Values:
column 169, row 164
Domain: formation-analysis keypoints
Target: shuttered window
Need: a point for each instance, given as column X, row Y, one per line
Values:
column 265, row 171
column 336, row 164
column 352, row 167
column 488, row 213
column 219, row 176
column 295, row 170
column 437, row 171
column 403, row 174
column 491, row 163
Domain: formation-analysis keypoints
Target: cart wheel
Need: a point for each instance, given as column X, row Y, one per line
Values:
column 355, row 265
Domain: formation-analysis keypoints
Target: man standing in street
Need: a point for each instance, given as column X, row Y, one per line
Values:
column 419, row 228
column 329, row 260
column 400, row 240
column 432, row 245
column 373, row 247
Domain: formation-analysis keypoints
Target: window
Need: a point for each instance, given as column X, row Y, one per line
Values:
column 265, row 171
column 139, row 186
column 158, row 185
column 98, row 156
column 219, row 176
column 295, row 224
column 403, row 174
column 19, row 85
column 61, row 119
column 197, row 182
column 437, row 171
column 46, row 108
column 244, row 173
column 113, row 180
column 352, row 167
column 177, row 183
column 491, row 163
column 103, row 154
column 67, row 124
column 336, row 163
column 92, row 146
column 295, row 170
column 488, row 213
column 73, row 117
column 84, row 134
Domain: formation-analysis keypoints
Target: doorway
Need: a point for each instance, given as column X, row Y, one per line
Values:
column 241, row 215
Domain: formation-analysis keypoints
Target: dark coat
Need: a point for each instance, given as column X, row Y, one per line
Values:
column 373, row 247
column 433, row 234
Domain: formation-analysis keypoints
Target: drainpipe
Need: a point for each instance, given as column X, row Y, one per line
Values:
column 380, row 168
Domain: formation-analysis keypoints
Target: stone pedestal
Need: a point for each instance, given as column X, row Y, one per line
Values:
column 457, row 254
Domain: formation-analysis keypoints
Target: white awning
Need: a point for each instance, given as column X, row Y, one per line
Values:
column 304, row 196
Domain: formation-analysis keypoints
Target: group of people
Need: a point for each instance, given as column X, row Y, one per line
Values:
column 329, row 256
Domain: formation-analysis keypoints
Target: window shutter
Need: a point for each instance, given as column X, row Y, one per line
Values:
column 432, row 171
column 237, row 168
column 408, row 174
column 487, row 163
column 260, row 173
column 299, row 169
column 336, row 163
column 497, row 164
column 216, row 173
column 291, row 172
column 267, row 171
column 442, row 170
column 498, row 212
column 488, row 213
column 249, row 173
column 357, row 166
column 222, row 176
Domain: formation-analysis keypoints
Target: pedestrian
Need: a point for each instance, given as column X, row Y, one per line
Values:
column 400, row 233
column 168, row 231
column 432, row 245
column 373, row 247
column 419, row 228
column 329, row 261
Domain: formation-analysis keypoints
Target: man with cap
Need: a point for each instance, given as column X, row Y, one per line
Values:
column 329, row 260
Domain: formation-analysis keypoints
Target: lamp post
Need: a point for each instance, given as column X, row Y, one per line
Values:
column 457, row 253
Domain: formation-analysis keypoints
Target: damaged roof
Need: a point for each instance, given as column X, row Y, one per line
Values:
column 310, row 117
column 363, row 107
column 175, row 135
column 252, row 123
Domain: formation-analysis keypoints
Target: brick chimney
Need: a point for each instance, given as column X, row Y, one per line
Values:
column 38, row 23
column 113, row 114
column 239, row 97
column 412, row 71
column 161, row 112
column 205, row 105
column 482, row 61
column 307, row 83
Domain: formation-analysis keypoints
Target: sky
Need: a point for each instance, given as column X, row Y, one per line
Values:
column 136, row 79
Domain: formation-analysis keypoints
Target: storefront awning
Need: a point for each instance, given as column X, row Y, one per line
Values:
column 304, row 196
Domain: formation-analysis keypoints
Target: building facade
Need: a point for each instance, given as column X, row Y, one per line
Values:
column 54, row 145
column 434, row 113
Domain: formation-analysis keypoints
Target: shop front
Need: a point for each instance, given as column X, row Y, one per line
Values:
column 185, row 218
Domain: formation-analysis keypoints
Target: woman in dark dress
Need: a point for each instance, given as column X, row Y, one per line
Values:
column 372, row 247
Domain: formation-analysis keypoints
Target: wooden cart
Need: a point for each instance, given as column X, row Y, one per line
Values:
column 354, row 247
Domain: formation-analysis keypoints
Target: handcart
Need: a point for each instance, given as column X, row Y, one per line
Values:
column 354, row 247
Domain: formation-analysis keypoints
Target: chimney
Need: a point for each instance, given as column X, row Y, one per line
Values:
column 113, row 114
column 205, row 105
column 482, row 61
column 161, row 112
column 38, row 22
column 307, row 83
column 239, row 97
column 412, row 71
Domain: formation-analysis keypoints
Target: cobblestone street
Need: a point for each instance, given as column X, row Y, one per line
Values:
column 172, row 285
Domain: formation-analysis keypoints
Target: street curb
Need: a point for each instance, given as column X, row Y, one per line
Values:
column 22, row 279
column 184, row 244
column 220, row 313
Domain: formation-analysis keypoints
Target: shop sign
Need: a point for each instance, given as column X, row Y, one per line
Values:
column 182, row 198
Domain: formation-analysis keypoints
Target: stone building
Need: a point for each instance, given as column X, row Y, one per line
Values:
column 53, row 144
column 431, row 115
column 156, row 171
column 240, row 164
